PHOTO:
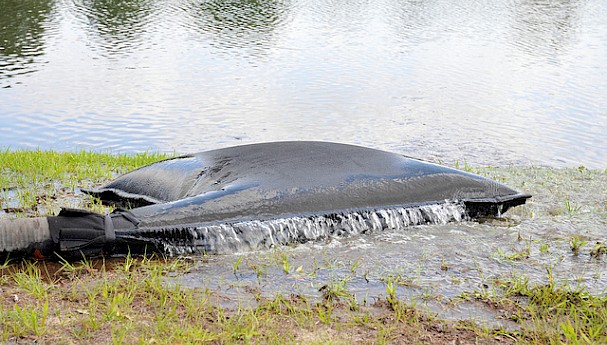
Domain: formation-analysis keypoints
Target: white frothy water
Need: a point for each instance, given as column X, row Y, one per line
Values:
column 264, row 234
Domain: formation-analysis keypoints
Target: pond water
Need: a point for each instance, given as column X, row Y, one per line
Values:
column 509, row 82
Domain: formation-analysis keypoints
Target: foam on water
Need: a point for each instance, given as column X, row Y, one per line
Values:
column 263, row 234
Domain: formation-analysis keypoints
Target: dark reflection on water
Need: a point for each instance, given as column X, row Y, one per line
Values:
column 545, row 28
column 519, row 81
column 246, row 24
column 115, row 26
column 22, row 31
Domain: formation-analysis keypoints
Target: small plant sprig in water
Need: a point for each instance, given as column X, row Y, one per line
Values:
column 335, row 290
column 572, row 208
column 544, row 248
column 598, row 250
column 516, row 256
column 281, row 257
column 465, row 166
column 576, row 243
column 235, row 266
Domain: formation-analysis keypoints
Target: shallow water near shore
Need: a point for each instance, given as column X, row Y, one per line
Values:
column 436, row 266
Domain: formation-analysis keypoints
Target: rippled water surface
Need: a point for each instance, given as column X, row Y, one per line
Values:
column 520, row 81
column 437, row 266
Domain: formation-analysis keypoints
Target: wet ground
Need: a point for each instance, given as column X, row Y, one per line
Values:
column 512, row 83
column 558, row 235
column 437, row 266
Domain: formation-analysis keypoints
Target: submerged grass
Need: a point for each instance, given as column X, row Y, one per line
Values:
column 133, row 300
column 133, row 303
column 137, row 300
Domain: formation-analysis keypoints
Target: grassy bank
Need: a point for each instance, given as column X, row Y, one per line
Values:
column 137, row 300
column 38, row 182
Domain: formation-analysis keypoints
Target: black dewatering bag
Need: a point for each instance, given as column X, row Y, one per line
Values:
column 231, row 198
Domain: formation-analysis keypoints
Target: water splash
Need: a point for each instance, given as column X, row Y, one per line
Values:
column 264, row 234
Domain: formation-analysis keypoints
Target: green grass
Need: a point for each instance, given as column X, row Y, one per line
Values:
column 553, row 314
column 42, row 165
column 130, row 301
column 37, row 178
column 137, row 300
